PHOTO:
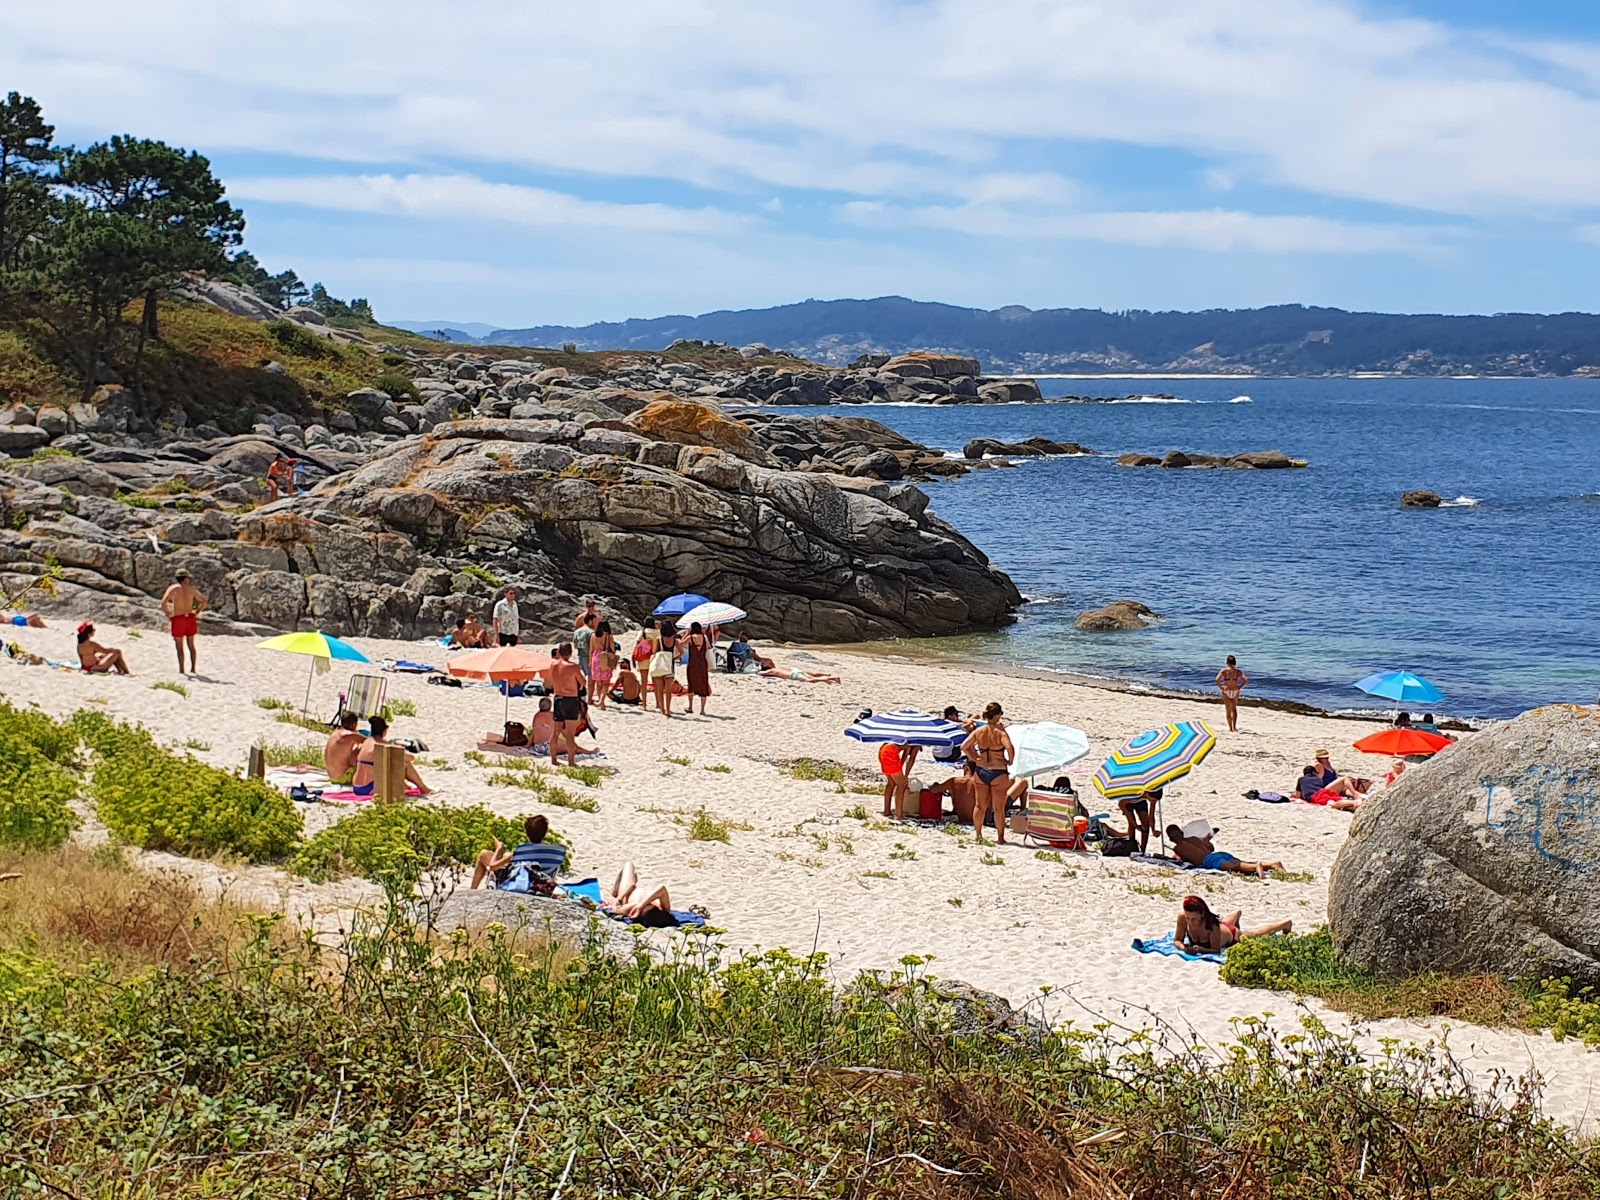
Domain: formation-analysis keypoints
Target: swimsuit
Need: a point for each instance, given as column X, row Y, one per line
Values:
column 1216, row 859
column 889, row 760
column 185, row 624
column 567, row 708
column 989, row 774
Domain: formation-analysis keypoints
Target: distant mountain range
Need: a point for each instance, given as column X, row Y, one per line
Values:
column 1287, row 339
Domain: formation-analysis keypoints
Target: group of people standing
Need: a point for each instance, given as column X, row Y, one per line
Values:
column 983, row 762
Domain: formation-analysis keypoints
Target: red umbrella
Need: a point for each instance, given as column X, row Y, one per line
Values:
column 504, row 665
column 1398, row 743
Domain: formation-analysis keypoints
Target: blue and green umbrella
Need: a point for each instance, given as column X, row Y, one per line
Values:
column 1154, row 759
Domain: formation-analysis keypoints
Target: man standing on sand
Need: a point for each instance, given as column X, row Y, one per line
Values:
column 183, row 603
column 589, row 612
column 1230, row 682
column 507, row 619
column 565, row 681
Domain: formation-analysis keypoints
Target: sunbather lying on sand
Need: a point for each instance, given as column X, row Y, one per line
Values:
column 629, row 898
column 1201, row 931
column 1199, row 852
column 799, row 676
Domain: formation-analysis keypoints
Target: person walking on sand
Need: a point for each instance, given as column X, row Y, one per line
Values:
column 661, row 667
column 699, row 666
column 1201, row 931
column 182, row 604
column 602, row 664
column 507, row 618
column 991, row 753
column 565, row 681
column 1230, row 682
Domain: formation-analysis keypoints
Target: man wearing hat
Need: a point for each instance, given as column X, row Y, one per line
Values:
column 183, row 603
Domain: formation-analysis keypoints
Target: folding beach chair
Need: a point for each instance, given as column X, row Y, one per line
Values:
column 1051, row 816
column 364, row 696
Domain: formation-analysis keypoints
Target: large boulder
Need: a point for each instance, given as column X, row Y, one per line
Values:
column 1009, row 391
column 1486, row 858
column 692, row 424
column 1119, row 616
column 927, row 365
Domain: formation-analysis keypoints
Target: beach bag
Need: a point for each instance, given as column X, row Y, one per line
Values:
column 1119, row 847
column 660, row 665
column 608, row 660
column 516, row 734
column 529, row 881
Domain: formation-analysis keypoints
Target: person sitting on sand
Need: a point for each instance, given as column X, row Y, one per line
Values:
column 98, row 659
column 795, row 675
column 470, row 633
column 1199, row 852
column 627, row 689
column 951, row 756
column 1201, row 931
column 342, row 748
column 1397, row 768
column 548, row 858
column 1402, row 720
column 647, row 906
column 365, row 780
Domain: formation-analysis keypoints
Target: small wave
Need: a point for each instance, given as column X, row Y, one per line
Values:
column 1463, row 502
column 1150, row 400
column 1583, row 498
column 1027, row 599
column 1241, row 400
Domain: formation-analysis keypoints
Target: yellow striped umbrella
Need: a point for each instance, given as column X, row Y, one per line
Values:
column 1154, row 759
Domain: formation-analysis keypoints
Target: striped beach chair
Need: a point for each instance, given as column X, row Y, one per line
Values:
column 1050, row 818
column 365, row 696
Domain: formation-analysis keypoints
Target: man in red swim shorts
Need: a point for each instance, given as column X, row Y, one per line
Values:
column 183, row 603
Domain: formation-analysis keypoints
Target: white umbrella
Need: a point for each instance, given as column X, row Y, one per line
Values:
column 1045, row 746
column 712, row 612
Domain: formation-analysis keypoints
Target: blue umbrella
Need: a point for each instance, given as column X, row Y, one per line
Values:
column 1402, row 687
column 676, row 606
column 908, row 727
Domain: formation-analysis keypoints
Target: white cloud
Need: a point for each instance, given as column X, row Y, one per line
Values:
column 1215, row 230
column 858, row 97
column 463, row 197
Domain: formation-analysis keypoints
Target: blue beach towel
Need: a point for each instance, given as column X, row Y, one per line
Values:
column 589, row 889
column 1165, row 945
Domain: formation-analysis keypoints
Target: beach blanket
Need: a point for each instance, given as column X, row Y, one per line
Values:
column 348, row 795
column 59, row 664
column 1177, row 864
column 589, row 889
column 406, row 667
column 311, row 778
column 1165, row 945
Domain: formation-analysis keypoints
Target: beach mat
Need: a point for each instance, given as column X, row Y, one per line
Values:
column 538, row 750
column 589, row 889
column 348, row 795
column 1165, row 945
column 1177, row 864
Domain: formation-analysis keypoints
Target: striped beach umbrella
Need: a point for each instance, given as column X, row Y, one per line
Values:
column 1154, row 759
column 908, row 727
column 712, row 612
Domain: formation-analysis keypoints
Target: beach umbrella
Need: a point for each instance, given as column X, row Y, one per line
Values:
column 712, row 612
column 1397, row 743
column 1045, row 746
column 1154, row 759
column 1400, row 686
column 908, row 727
column 673, row 606
column 320, row 647
column 504, row 665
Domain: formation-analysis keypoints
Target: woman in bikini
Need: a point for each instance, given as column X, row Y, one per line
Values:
column 991, row 753
column 1201, row 931
column 1230, row 682
column 661, row 667
column 644, row 649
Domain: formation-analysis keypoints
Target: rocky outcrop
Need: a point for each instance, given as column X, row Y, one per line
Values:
column 1251, row 460
column 1120, row 616
column 1421, row 500
column 1486, row 858
column 564, row 921
column 1034, row 447
column 683, row 498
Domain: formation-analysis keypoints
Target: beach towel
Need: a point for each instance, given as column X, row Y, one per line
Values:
column 348, row 795
column 1266, row 797
column 59, row 664
column 542, row 750
column 589, row 890
column 1165, row 945
column 406, row 667
column 1177, row 864
column 312, row 778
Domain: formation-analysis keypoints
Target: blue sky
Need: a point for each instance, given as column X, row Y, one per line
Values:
column 519, row 163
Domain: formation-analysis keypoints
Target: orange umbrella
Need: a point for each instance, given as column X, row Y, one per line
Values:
column 1397, row 743
column 504, row 665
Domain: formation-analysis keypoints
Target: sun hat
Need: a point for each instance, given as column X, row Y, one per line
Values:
column 1322, row 752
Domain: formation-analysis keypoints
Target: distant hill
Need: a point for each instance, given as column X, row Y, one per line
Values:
column 1288, row 339
column 460, row 331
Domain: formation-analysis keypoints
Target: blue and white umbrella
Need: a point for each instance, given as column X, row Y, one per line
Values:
column 1402, row 687
column 674, row 606
column 908, row 727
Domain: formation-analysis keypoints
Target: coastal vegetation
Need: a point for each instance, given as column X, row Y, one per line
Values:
column 156, row 1045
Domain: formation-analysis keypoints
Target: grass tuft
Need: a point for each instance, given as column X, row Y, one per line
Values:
column 166, row 685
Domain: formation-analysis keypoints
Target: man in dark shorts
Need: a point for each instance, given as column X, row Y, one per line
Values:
column 182, row 605
column 565, row 682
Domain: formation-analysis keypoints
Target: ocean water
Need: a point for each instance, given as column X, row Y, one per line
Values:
column 1314, row 577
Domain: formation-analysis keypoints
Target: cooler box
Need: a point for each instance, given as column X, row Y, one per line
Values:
column 930, row 805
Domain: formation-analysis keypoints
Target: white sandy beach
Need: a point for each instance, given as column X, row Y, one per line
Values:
column 804, row 872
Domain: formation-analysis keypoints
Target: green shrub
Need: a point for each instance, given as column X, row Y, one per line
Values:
column 395, row 844
column 167, row 685
column 813, row 769
column 398, row 387
column 273, row 704
column 291, row 754
column 36, row 785
column 703, row 827
column 401, row 708
column 484, row 574
column 296, row 339
column 163, row 801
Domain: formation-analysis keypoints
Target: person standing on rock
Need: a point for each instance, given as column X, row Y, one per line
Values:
column 507, row 619
column 1230, row 682
column 182, row 605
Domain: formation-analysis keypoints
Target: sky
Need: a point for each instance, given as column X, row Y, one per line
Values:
column 521, row 162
